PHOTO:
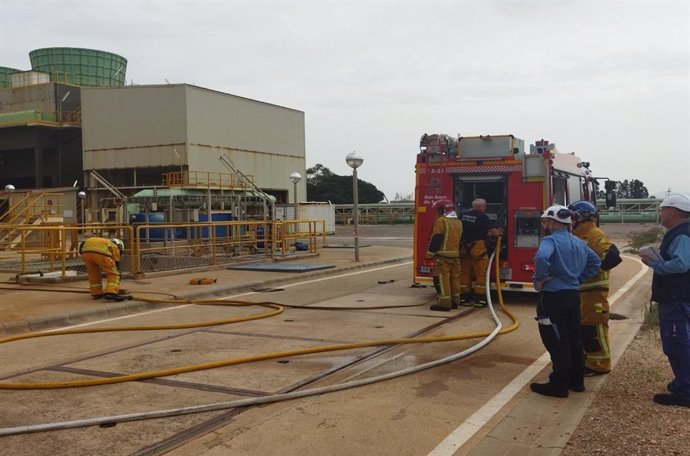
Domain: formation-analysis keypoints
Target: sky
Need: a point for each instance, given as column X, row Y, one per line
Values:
column 608, row 80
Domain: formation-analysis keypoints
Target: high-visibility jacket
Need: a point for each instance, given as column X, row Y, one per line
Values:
column 597, row 240
column 445, row 237
column 102, row 246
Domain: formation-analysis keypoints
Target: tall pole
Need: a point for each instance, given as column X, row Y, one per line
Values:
column 294, row 192
column 295, row 177
column 355, row 209
column 354, row 161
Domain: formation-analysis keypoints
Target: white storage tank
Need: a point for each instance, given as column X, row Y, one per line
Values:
column 314, row 210
column 27, row 78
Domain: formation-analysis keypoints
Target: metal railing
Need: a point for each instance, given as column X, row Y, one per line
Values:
column 162, row 247
column 626, row 211
column 33, row 209
column 200, row 179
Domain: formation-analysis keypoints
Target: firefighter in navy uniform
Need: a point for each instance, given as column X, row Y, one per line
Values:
column 594, row 305
column 477, row 239
column 103, row 255
column 444, row 249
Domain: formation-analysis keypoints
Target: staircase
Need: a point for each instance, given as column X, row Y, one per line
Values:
column 32, row 209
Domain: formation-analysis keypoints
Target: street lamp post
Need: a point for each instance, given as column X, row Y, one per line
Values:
column 295, row 177
column 354, row 161
column 82, row 200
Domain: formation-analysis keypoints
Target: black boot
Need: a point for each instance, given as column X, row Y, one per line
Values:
column 546, row 389
column 115, row 297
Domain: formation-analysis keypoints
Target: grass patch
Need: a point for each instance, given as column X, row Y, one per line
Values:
column 651, row 316
column 650, row 236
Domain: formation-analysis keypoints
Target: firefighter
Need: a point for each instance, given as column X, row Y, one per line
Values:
column 103, row 255
column 561, row 263
column 444, row 249
column 477, row 238
column 594, row 305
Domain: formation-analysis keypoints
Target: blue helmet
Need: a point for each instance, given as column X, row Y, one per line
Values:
column 583, row 211
column 583, row 207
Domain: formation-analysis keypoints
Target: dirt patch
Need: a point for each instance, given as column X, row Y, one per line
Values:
column 623, row 420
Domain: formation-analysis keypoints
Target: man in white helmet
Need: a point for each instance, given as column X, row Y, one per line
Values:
column 671, row 289
column 561, row 263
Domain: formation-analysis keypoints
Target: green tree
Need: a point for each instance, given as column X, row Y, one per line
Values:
column 324, row 185
column 628, row 189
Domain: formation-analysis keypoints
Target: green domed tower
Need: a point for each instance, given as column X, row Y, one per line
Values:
column 83, row 67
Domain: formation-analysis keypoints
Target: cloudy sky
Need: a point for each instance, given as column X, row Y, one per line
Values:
column 608, row 80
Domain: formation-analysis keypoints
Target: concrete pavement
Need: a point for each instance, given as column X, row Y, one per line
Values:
column 40, row 304
column 526, row 424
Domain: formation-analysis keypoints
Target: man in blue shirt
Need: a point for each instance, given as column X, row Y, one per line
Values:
column 671, row 289
column 561, row 263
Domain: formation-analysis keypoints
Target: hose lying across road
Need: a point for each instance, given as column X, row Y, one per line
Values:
column 276, row 309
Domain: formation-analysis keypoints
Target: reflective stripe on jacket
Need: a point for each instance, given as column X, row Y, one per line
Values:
column 102, row 246
column 445, row 237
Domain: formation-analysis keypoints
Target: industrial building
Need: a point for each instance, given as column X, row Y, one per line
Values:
column 175, row 149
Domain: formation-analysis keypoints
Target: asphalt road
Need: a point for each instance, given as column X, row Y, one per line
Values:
column 410, row 415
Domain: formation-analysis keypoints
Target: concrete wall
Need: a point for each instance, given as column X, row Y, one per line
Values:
column 133, row 126
column 263, row 140
column 183, row 126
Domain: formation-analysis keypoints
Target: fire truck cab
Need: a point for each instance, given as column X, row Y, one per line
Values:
column 517, row 186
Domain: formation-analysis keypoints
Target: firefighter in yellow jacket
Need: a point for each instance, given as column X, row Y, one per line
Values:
column 444, row 249
column 594, row 305
column 103, row 255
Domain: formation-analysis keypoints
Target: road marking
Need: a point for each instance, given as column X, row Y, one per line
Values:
column 150, row 312
column 478, row 419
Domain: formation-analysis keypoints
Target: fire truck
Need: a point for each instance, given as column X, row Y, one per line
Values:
column 517, row 186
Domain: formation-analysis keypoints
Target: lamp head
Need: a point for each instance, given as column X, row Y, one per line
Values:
column 353, row 160
column 295, row 177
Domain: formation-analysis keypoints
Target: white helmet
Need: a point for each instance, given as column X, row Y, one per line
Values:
column 118, row 242
column 677, row 200
column 558, row 213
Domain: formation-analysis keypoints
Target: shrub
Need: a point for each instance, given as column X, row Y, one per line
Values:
column 650, row 236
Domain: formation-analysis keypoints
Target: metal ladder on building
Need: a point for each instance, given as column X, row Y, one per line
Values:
column 265, row 197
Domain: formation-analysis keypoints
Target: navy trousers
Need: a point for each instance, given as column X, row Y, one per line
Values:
column 674, row 321
column 562, row 338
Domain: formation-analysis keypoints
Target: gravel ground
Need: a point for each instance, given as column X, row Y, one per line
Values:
column 623, row 420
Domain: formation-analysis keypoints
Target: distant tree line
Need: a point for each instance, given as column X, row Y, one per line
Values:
column 628, row 189
column 324, row 185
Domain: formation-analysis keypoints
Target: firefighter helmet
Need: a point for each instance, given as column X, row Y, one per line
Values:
column 444, row 206
column 583, row 211
column 118, row 242
column 558, row 213
column 677, row 200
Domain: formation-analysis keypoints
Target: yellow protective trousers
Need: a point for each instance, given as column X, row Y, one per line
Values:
column 594, row 329
column 447, row 280
column 473, row 264
column 95, row 263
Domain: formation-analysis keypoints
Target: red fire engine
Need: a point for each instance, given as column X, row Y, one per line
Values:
column 516, row 185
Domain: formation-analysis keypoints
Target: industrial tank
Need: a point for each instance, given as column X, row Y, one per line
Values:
column 84, row 67
column 6, row 76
